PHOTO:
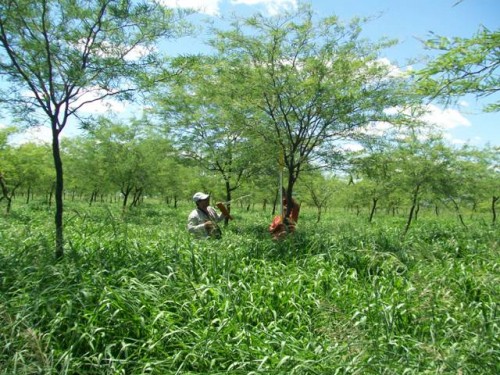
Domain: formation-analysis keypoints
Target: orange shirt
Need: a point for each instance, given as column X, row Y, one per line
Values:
column 278, row 227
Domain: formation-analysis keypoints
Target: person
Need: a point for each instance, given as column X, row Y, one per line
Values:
column 202, row 221
column 279, row 228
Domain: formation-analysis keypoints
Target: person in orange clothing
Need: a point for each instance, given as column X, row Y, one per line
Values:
column 279, row 227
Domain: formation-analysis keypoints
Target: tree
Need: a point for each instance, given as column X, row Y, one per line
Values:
column 131, row 156
column 87, row 172
column 33, row 166
column 6, row 167
column 206, row 117
column 316, row 84
column 473, row 178
column 319, row 191
column 465, row 66
column 377, row 170
column 58, row 56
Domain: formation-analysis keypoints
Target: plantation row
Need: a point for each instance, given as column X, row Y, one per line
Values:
column 135, row 294
column 123, row 169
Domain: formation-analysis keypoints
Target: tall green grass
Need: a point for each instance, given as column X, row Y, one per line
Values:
column 135, row 294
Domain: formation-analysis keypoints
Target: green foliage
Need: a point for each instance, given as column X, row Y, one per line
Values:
column 465, row 66
column 136, row 294
column 58, row 56
column 308, row 84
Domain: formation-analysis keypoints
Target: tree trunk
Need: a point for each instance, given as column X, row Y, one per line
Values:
column 28, row 194
column 275, row 201
column 494, row 200
column 318, row 217
column 5, row 193
column 459, row 214
column 56, row 153
column 93, row 196
column 228, row 199
column 412, row 210
column 126, row 192
column 136, row 198
column 289, row 193
column 374, row 207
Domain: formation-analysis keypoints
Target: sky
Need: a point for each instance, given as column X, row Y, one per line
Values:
column 408, row 21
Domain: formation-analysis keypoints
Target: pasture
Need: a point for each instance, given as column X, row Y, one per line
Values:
column 135, row 294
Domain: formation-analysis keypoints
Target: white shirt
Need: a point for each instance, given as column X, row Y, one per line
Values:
column 197, row 219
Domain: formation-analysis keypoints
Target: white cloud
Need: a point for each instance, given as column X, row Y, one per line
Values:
column 273, row 7
column 446, row 119
column 136, row 53
column 439, row 121
column 100, row 106
column 378, row 128
column 452, row 140
column 392, row 70
column 37, row 134
column 210, row 7
column 351, row 147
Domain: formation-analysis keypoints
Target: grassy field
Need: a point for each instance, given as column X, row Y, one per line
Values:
column 135, row 294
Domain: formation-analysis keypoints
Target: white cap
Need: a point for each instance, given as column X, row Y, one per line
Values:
column 199, row 196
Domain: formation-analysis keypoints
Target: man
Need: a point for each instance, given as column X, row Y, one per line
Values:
column 202, row 221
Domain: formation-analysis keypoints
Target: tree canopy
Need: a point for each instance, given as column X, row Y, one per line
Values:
column 464, row 66
column 57, row 56
column 314, row 83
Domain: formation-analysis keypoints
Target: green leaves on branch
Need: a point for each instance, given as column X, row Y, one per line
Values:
column 465, row 66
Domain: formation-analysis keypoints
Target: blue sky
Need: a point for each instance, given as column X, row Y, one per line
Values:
column 409, row 21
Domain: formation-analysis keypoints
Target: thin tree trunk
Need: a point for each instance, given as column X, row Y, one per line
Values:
column 5, row 193
column 494, row 200
column 318, row 217
column 459, row 214
column 28, row 195
column 92, row 197
column 374, row 207
column 228, row 199
column 58, row 193
column 126, row 192
column 137, row 196
column 412, row 210
column 275, row 201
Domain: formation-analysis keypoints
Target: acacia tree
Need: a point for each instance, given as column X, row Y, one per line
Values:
column 319, row 191
column 377, row 171
column 315, row 83
column 59, row 55
column 7, row 188
column 473, row 178
column 464, row 66
column 132, row 157
column 33, row 166
column 87, row 173
column 205, row 116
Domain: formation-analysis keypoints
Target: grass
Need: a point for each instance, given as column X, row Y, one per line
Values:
column 135, row 294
